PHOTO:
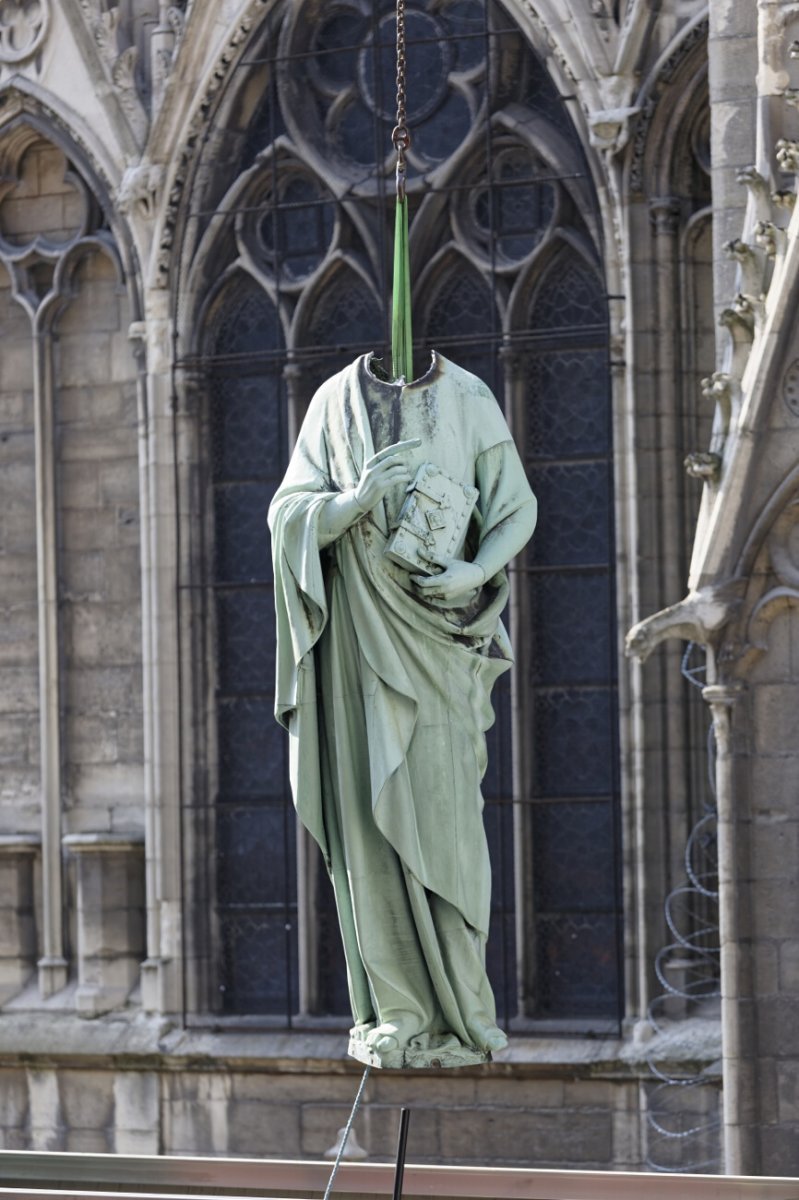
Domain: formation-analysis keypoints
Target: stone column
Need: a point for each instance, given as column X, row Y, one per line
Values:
column 739, row 1094
column 732, row 61
column 52, row 964
column 160, row 545
column 110, row 917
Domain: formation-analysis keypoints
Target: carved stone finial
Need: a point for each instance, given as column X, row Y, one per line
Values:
column 787, row 155
column 119, row 65
column 703, row 464
column 23, row 28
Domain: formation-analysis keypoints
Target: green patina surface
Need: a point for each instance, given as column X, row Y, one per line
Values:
column 384, row 682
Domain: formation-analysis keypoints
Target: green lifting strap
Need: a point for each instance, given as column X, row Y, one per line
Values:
column 401, row 333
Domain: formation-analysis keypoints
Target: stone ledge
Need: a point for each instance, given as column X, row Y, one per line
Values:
column 132, row 1040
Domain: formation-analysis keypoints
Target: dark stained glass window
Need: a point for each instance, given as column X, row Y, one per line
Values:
column 254, row 828
column 508, row 283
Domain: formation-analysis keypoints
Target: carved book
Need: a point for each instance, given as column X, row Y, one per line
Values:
column 432, row 524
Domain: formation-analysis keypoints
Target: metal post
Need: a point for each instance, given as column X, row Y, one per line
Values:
column 402, row 1143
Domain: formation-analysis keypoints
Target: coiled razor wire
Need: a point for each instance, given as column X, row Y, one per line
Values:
column 682, row 1119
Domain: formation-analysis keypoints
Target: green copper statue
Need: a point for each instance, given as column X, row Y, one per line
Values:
column 384, row 676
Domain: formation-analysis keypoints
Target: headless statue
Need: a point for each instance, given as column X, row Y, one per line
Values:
column 384, row 677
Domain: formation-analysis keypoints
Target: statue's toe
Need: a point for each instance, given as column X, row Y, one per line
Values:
column 495, row 1041
column 490, row 1038
column 394, row 1033
column 384, row 1043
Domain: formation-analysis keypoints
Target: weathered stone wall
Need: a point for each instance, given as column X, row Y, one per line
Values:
column 285, row 1096
column 100, row 574
column 19, row 658
column 733, row 62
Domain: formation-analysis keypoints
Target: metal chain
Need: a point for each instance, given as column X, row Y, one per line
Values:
column 400, row 136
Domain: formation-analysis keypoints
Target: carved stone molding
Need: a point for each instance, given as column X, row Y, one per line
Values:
column 110, row 925
column 18, row 853
column 783, row 550
column 164, row 44
column 653, row 94
column 119, row 64
column 23, row 28
column 665, row 213
column 790, row 388
column 233, row 48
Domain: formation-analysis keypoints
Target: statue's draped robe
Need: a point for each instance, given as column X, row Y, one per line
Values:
column 386, row 697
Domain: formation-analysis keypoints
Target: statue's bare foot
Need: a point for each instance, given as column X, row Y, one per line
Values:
column 393, row 1034
column 489, row 1037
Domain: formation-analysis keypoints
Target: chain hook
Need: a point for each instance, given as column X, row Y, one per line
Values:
column 400, row 135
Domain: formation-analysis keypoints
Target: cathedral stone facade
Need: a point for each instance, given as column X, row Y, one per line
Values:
column 195, row 231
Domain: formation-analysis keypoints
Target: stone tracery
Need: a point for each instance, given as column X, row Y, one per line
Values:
column 23, row 28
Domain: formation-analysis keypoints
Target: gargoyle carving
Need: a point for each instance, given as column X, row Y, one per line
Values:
column 139, row 188
column 759, row 191
column 751, row 263
column 703, row 464
column 722, row 389
column 784, row 198
column 787, row 154
column 739, row 319
column 696, row 618
column 772, row 239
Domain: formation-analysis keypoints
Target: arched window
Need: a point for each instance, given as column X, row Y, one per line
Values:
column 255, row 892
column 569, row 696
column 507, row 282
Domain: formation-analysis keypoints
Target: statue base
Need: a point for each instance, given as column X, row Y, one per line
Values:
column 406, row 1058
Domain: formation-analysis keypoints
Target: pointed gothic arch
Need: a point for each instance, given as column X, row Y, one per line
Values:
column 469, row 189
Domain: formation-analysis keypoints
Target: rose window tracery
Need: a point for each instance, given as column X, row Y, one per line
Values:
column 349, row 110
column 23, row 27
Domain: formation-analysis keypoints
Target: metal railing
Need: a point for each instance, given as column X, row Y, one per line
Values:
column 95, row 1176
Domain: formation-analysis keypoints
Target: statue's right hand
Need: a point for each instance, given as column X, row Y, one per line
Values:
column 383, row 471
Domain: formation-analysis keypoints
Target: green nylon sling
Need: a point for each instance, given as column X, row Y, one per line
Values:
column 401, row 336
column 401, row 333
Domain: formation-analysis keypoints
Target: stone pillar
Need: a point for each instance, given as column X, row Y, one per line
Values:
column 733, row 63
column 52, row 964
column 736, row 980
column 161, row 970
column 110, row 917
column 17, row 920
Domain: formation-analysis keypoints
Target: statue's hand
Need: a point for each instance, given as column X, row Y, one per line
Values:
column 455, row 582
column 384, row 471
